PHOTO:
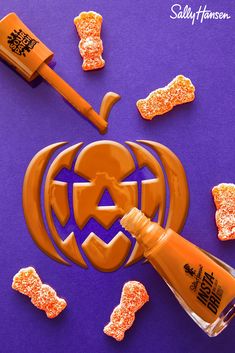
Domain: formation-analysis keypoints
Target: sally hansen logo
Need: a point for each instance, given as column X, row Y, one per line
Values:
column 203, row 13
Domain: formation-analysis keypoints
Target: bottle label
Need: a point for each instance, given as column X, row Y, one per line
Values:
column 20, row 42
column 206, row 287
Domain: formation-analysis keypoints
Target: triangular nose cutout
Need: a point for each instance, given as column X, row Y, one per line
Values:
column 106, row 199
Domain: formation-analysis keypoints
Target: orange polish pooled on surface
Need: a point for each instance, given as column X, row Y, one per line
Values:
column 44, row 297
column 88, row 25
column 179, row 91
column 133, row 297
column 224, row 198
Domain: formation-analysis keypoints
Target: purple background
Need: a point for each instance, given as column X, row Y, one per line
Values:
column 144, row 49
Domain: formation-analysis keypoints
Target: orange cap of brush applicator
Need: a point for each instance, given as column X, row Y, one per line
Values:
column 21, row 48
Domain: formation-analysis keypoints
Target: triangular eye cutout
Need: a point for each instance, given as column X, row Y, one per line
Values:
column 106, row 199
column 143, row 173
column 147, row 173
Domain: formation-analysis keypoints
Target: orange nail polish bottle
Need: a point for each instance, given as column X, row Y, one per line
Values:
column 203, row 284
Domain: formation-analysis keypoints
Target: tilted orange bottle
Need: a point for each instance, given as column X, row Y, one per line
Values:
column 203, row 284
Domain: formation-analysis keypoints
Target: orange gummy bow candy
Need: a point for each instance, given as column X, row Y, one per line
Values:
column 88, row 25
column 134, row 296
column 178, row 91
column 224, row 198
column 27, row 282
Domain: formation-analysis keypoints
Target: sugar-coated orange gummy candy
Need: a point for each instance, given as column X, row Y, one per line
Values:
column 27, row 282
column 224, row 198
column 180, row 90
column 133, row 297
column 88, row 25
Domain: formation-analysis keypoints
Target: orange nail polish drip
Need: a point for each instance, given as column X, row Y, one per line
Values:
column 204, row 285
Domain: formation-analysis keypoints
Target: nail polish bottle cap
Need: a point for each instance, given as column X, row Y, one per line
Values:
column 20, row 48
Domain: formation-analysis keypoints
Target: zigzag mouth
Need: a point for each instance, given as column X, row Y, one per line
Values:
column 91, row 226
column 95, row 233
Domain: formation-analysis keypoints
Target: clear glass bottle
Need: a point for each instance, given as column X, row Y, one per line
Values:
column 203, row 285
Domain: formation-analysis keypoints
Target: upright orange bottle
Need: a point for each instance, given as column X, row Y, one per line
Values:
column 203, row 285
